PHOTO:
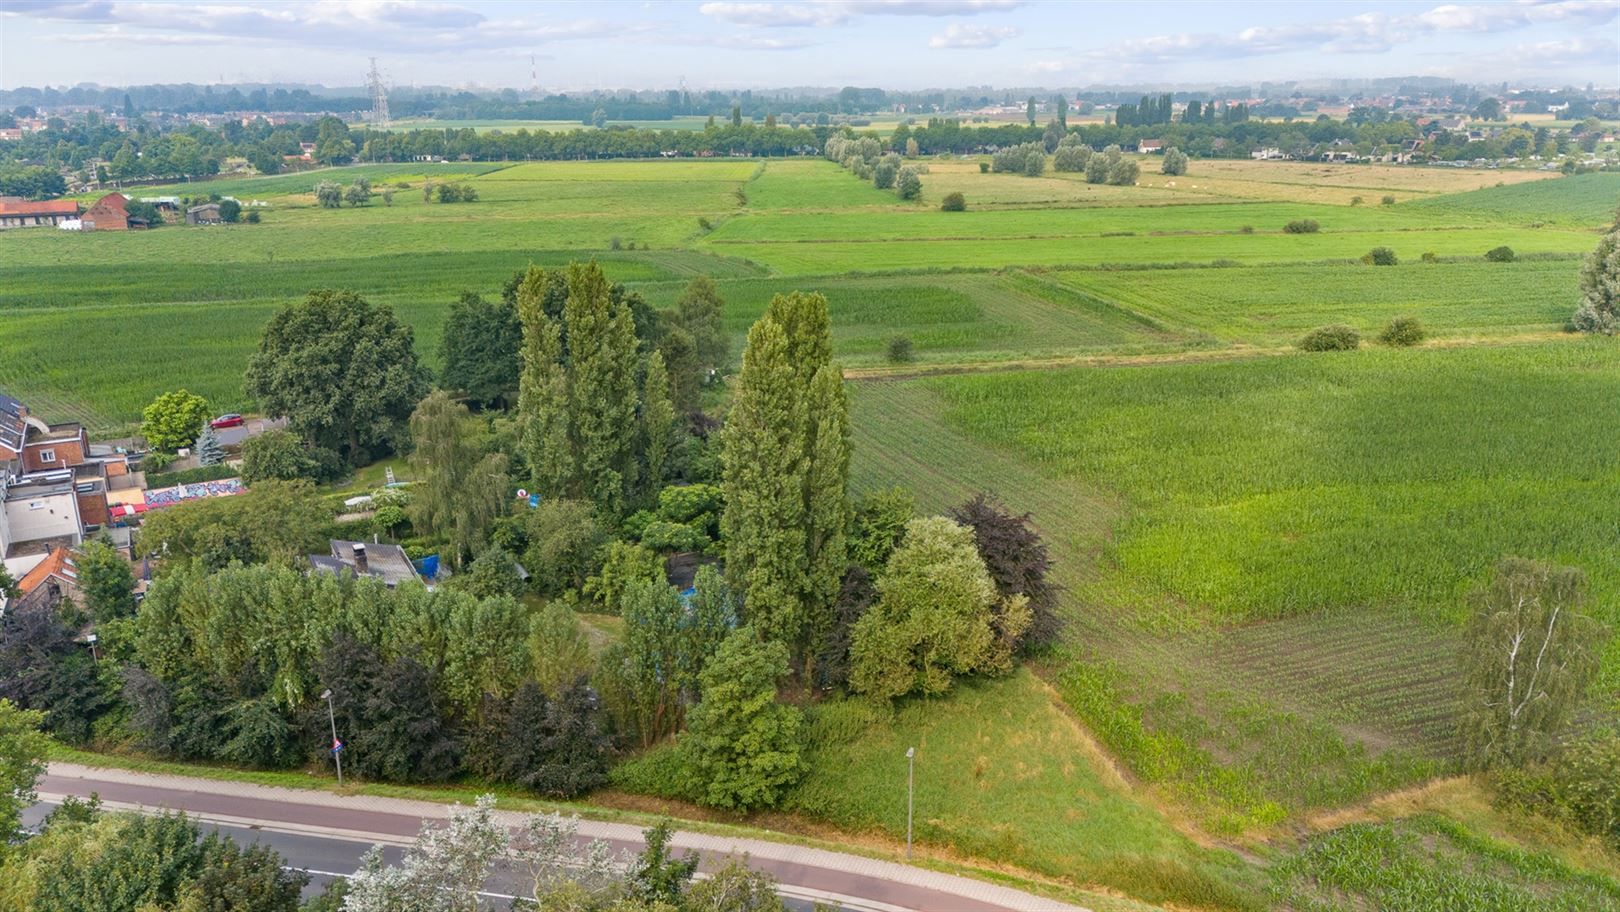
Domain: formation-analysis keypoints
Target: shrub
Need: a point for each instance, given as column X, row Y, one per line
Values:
column 252, row 218
column 1175, row 162
column 1429, row 256
column 1246, row 229
column 1402, row 332
column 1071, row 157
column 1380, row 256
column 1302, row 226
column 1331, row 338
column 1356, row 201
column 705, row 224
column 1502, row 254
column 908, row 186
column 1388, row 200
column 984, row 167
column 953, row 202
column 900, row 350
column 1124, row 172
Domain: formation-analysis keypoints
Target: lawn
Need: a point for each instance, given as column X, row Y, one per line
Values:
column 1004, row 775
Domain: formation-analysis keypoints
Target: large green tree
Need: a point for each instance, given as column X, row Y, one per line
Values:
column 742, row 748
column 22, row 761
column 700, row 311
column 460, row 490
column 1530, row 654
column 479, row 349
column 1599, row 311
column 106, row 581
column 787, row 474
column 937, row 616
column 174, row 420
column 343, row 373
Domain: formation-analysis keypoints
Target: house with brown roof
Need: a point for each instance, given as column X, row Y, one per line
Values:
column 50, row 581
column 110, row 213
column 20, row 213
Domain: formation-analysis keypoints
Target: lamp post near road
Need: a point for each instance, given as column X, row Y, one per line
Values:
column 337, row 746
column 911, row 761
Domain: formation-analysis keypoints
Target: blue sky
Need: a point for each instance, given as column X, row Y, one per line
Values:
column 743, row 43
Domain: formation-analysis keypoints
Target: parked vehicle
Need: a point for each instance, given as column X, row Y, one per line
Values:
column 227, row 421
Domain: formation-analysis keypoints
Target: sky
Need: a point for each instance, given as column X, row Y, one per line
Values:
column 734, row 44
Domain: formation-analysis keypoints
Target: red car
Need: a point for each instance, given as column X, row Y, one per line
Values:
column 227, row 421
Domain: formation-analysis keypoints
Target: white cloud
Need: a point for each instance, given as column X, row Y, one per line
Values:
column 1368, row 33
column 777, row 15
column 957, row 35
column 825, row 13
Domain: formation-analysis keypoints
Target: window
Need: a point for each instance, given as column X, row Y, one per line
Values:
column 85, row 487
column 36, row 505
column 47, row 455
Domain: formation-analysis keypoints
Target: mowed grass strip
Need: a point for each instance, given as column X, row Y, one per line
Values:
column 1215, row 218
column 827, row 257
column 948, row 318
column 1278, row 304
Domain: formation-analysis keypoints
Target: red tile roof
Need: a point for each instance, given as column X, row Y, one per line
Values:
column 58, row 563
column 50, row 207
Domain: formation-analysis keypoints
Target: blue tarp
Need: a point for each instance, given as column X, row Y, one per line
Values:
column 427, row 567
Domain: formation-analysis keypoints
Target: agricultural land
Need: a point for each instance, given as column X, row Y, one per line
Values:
column 1267, row 555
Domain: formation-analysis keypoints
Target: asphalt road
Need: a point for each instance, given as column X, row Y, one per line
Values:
column 326, row 834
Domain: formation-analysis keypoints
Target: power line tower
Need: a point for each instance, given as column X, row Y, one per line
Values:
column 534, row 77
column 379, row 97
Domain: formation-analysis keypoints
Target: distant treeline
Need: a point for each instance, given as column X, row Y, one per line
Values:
column 149, row 152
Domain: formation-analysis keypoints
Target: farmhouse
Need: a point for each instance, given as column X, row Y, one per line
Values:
column 110, row 213
column 206, row 214
column 1150, row 145
column 388, row 563
column 18, row 213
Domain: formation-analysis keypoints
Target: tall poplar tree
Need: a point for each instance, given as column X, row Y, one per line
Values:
column 602, row 388
column 657, row 421
column 543, row 392
column 787, row 474
column 578, row 409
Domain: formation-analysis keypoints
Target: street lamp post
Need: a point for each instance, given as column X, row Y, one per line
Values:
column 337, row 746
column 911, row 762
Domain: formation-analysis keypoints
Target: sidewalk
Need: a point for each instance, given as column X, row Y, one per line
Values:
column 391, row 820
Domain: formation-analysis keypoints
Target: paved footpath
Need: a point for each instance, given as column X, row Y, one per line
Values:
column 809, row 874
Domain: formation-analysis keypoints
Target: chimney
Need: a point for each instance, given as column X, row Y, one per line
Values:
column 360, row 559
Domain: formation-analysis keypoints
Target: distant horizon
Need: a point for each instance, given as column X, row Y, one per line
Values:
column 899, row 45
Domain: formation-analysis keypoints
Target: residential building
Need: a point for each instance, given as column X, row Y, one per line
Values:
column 54, row 483
column 1150, row 145
column 49, row 582
column 18, row 213
column 388, row 563
column 110, row 213
column 206, row 214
